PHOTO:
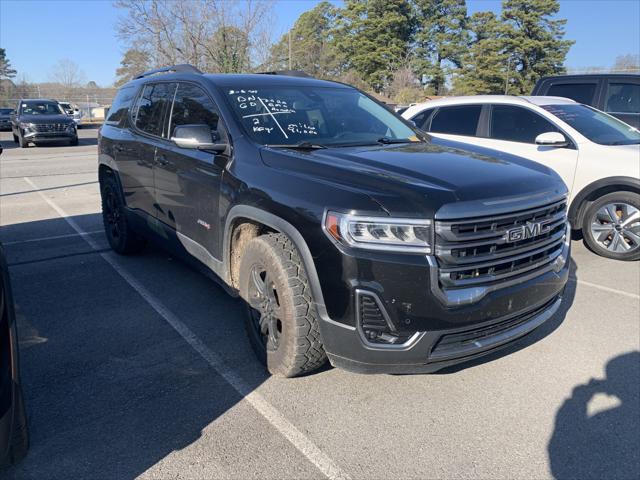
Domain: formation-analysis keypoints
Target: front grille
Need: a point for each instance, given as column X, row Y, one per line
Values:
column 481, row 251
column 49, row 127
column 453, row 344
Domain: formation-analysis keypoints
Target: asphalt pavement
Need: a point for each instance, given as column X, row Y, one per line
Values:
column 139, row 367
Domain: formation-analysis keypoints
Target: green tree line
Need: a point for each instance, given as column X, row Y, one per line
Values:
column 409, row 48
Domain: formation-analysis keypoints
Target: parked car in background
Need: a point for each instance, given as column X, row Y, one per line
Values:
column 5, row 118
column 613, row 93
column 13, row 420
column 73, row 111
column 349, row 235
column 597, row 156
column 41, row 121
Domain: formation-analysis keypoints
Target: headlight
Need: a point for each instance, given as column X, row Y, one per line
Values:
column 25, row 125
column 408, row 235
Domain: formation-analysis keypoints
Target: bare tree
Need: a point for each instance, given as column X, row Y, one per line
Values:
column 68, row 74
column 627, row 63
column 204, row 33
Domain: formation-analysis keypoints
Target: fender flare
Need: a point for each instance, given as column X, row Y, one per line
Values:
column 280, row 225
column 609, row 184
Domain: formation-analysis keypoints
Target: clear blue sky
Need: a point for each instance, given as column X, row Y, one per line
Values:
column 38, row 33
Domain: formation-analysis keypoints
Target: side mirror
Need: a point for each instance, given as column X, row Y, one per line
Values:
column 552, row 139
column 196, row 137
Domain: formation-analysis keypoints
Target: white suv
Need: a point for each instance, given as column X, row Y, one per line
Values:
column 597, row 156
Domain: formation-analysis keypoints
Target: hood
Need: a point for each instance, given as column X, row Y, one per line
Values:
column 423, row 177
column 61, row 118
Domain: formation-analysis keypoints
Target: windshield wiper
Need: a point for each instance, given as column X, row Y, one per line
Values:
column 304, row 145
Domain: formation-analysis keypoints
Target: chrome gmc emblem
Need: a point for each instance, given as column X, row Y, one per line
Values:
column 528, row 230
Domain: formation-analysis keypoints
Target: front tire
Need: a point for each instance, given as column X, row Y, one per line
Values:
column 23, row 142
column 120, row 235
column 281, row 321
column 611, row 226
column 73, row 142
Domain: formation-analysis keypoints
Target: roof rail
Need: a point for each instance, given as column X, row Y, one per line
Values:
column 183, row 68
column 289, row 73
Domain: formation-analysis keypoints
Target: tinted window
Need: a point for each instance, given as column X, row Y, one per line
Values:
column 595, row 125
column 580, row 92
column 151, row 107
column 422, row 118
column 623, row 98
column 517, row 124
column 192, row 106
column 120, row 106
column 462, row 120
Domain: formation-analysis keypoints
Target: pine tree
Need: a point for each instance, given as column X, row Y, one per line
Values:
column 5, row 66
column 440, row 38
column 310, row 43
column 133, row 63
column 374, row 37
column 484, row 61
column 534, row 42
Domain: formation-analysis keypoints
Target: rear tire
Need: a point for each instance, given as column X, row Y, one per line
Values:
column 120, row 235
column 282, row 322
column 73, row 142
column 611, row 226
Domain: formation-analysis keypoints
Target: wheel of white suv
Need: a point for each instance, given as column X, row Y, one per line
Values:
column 611, row 226
column 120, row 235
column 282, row 322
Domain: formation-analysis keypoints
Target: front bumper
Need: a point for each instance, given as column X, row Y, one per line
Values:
column 451, row 335
column 38, row 137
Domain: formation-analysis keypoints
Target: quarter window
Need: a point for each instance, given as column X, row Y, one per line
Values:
column 516, row 124
column 580, row 92
column 151, row 107
column 459, row 120
column 120, row 106
column 192, row 106
column 623, row 98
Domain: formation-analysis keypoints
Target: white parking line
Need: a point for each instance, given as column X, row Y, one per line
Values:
column 298, row 439
column 53, row 237
column 607, row 289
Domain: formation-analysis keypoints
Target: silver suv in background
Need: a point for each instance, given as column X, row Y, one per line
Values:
column 73, row 111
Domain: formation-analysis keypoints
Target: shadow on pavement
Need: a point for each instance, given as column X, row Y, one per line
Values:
column 605, row 444
column 111, row 389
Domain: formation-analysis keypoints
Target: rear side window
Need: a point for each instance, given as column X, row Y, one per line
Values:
column 151, row 107
column 192, row 106
column 580, row 92
column 623, row 98
column 517, row 124
column 459, row 120
column 120, row 106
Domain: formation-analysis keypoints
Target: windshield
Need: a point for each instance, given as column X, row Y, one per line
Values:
column 318, row 115
column 596, row 126
column 41, row 108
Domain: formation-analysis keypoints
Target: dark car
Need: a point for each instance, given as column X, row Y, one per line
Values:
column 42, row 121
column 346, row 231
column 13, row 420
column 5, row 118
column 613, row 93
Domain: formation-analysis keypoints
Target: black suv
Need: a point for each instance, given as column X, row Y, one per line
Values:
column 615, row 93
column 42, row 121
column 346, row 231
